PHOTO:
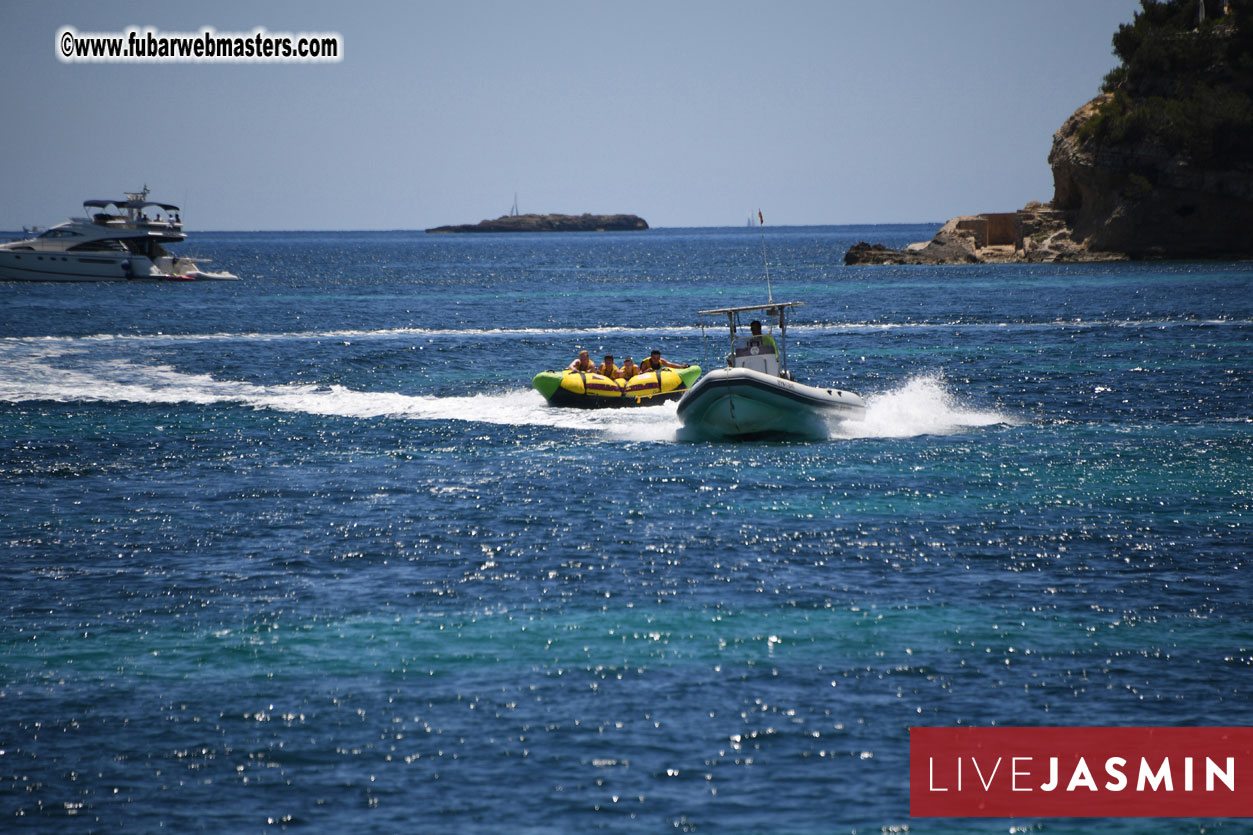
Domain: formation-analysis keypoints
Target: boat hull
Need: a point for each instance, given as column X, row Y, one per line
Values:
column 743, row 403
column 580, row 390
column 33, row 265
column 27, row 265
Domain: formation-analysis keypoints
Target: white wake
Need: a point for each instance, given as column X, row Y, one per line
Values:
column 34, row 370
column 48, row 373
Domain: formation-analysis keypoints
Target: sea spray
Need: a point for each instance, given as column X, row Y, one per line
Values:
column 923, row 405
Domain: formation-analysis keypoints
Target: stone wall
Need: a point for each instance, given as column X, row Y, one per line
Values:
column 1001, row 229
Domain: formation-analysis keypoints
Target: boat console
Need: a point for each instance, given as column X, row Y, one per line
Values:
column 755, row 353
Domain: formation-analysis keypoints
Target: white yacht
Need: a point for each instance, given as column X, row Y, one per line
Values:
column 755, row 396
column 117, row 239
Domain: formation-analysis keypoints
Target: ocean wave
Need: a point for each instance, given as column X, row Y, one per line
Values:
column 548, row 331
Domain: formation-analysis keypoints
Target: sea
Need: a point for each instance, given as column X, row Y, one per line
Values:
column 307, row 552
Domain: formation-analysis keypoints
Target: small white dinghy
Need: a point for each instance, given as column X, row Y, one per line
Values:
column 755, row 396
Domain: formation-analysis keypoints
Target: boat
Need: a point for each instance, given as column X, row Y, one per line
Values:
column 589, row 390
column 755, row 396
column 116, row 239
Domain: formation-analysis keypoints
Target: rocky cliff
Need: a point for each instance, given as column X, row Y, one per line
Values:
column 1158, row 166
column 1147, row 201
column 552, row 223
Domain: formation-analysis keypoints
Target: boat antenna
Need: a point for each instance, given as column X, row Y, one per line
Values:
column 762, row 221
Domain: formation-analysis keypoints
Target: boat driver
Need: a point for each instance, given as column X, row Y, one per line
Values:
column 764, row 339
column 656, row 363
column 583, row 363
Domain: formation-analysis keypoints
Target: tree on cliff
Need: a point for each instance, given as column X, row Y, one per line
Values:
column 1185, row 82
column 1160, row 165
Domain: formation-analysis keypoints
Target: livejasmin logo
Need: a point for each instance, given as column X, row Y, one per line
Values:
column 1081, row 777
column 1081, row 772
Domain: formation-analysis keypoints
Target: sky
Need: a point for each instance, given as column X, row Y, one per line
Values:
column 689, row 113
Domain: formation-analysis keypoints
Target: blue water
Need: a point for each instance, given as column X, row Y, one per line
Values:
column 305, row 551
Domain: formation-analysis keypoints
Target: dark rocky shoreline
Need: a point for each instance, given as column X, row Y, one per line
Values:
column 551, row 223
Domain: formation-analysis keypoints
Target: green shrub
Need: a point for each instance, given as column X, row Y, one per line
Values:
column 1138, row 187
column 1187, row 88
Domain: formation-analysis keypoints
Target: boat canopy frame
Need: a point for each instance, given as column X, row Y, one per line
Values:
column 132, row 209
column 129, row 204
column 774, row 312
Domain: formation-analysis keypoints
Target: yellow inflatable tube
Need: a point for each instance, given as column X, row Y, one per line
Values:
column 588, row 390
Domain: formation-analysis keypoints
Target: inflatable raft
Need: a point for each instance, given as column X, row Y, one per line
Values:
column 588, row 390
column 755, row 396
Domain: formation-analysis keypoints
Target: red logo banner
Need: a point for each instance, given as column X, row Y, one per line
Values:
column 1081, row 772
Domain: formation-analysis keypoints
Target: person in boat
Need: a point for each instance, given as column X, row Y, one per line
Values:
column 582, row 363
column 656, row 363
column 628, row 369
column 765, row 340
column 608, row 369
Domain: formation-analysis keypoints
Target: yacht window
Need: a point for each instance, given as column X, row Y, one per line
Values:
column 104, row 245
